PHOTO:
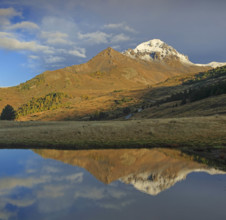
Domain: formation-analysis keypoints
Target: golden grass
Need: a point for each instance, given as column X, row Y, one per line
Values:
column 173, row 132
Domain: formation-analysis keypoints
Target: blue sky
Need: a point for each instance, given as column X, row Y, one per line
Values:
column 39, row 35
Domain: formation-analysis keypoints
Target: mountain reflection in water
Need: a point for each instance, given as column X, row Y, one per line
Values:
column 148, row 170
column 108, row 184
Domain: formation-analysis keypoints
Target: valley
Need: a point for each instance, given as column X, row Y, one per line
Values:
column 112, row 110
column 119, row 101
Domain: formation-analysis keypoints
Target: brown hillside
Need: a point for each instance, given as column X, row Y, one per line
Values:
column 90, row 85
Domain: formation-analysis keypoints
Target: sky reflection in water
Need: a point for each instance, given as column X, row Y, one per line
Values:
column 32, row 187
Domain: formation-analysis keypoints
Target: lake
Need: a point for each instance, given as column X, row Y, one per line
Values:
column 109, row 184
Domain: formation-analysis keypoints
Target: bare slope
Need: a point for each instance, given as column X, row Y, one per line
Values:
column 89, row 86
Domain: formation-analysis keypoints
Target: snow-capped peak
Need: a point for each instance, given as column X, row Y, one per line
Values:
column 156, row 50
column 155, row 45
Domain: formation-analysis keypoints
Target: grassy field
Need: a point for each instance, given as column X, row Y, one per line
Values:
column 199, row 132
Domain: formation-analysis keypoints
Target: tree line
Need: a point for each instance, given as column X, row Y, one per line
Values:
column 48, row 102
column 198, row 93
column 210, row 74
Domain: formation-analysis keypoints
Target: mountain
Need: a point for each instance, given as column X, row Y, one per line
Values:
column 158, row 51
column 108, row 82
column 148, row 170
column 92, row 86
column 124, row 71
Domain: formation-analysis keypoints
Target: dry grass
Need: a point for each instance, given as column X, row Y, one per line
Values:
column 174, row 132
column 210, row 106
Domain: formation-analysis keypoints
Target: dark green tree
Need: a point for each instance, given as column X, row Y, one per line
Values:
column 8, row 113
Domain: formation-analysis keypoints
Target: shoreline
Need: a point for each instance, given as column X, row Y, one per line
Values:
column 201, row 132
column 204, row 138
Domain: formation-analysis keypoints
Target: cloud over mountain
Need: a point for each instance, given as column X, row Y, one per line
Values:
column 54, row 40
column 86, row 27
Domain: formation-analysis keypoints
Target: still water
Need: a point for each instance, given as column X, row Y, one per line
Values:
column 109, row 184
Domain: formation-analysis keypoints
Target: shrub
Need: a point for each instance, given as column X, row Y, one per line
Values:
column 126, row 110
column 99, row 116
column 123, row 100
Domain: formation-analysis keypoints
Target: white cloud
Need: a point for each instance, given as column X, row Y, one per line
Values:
column 56, row 38
column 58, row 41
column 23, row 25
column 78, row 52
column 120, row 38
column 54, row 59
column 5, row 34
column 14, row 44
column 119, row 26
column 55, row 41
column 33, row 57
column 97, row 37
column 6, row 14
column 116, row 47
column 59, row 25
column 9, row 12
column 47, row 35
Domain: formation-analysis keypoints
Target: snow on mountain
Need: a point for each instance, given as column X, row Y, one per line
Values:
column 212, row 64
column 157, row 50
column 154, row 183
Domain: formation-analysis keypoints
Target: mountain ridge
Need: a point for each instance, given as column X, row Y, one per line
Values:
column 157, row 50
column 93, row 86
